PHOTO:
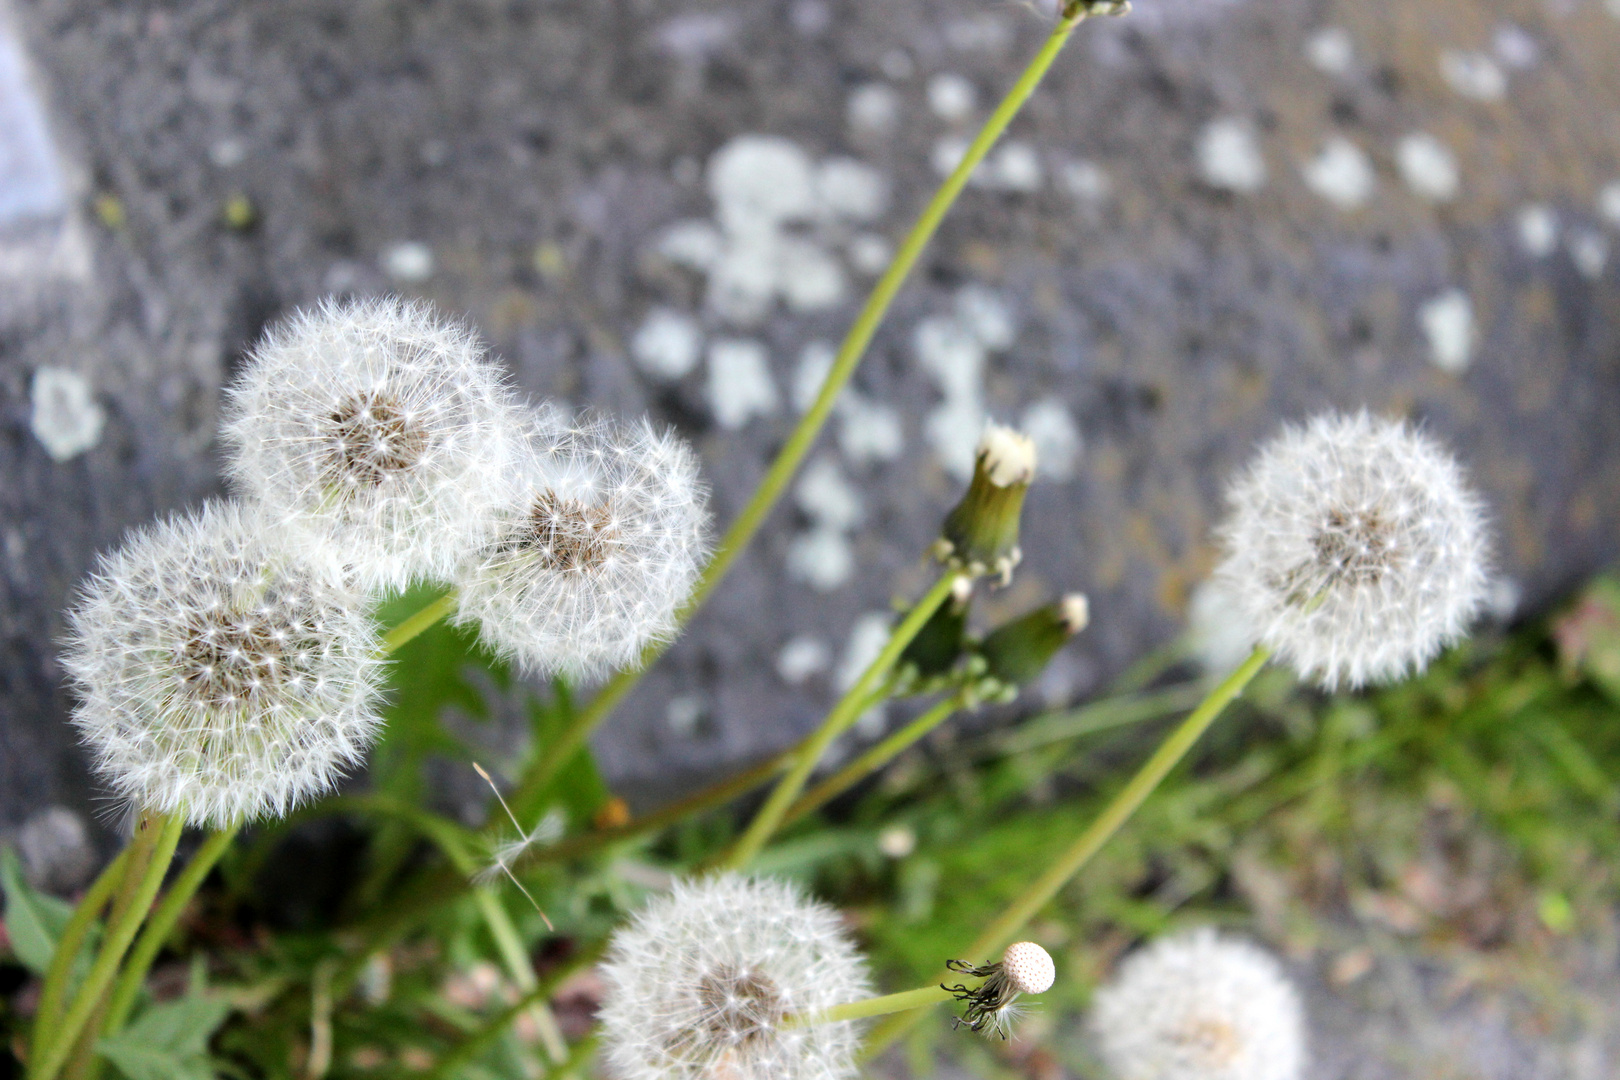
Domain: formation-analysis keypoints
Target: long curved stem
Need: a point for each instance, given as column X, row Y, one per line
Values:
column 165, row 828
column 904, row 1001
column 162, row 923
column 798, row 444
column 872, row 760
column 1088, row 843
column 843, row 714
column 419, row 621
column 74, row 933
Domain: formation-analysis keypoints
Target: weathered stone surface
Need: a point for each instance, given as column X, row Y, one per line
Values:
column 1214, row 216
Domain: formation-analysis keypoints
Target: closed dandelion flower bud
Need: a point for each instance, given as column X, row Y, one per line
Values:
column 1354, row 549
column 702, row 982
column 595, row 543
column 218, row 679
column 1200, row 1007
column 1017, row 652
column 377, row 433
column 981, row 534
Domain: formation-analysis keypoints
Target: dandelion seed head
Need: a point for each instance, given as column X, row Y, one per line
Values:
column 1199, row 1006
column 700, row 982
column 1354, row 549
column 377, row 433
column 598, row 537
column 217, row 678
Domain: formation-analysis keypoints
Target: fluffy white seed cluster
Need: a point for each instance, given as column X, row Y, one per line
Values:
column 599, row 533
column 1354, row 549
column 217, row 678
column 1199, row 1006
column 377, row 433
column 700, row 982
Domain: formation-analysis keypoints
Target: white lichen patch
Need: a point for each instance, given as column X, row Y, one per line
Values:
column 409, row 262
column 802, row 658
column 64, row 415
column 668, row 344
column 986, row 315
column 1229, row 158
column 740, row 383
column 955, row 359
column 821, row 558
column 851, row 189
column 815, row 361
column 1058, row 443
column 867, row 636
column 1086, row 181
column 870, row 432
column 873, row 109
column 952, row 97
column 761, row 180
column 1341, row 174
column 1589, row 251
column 696, row 245
column 828, row 498
column 683, row 714
column 1331, row 51
column 1013, row 167
column 1608, row 203
column 869, row 253
column 1538, row 230
column 1515, row 47
column 1474, row 75
column 1428, row 167
column 1447, row 321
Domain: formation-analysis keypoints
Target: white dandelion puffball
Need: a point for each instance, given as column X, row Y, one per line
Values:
column 1199, row 1006
column 700, row 982
column 218, row 679
column 377, row 433
column 597, row 541
column 1354, row 549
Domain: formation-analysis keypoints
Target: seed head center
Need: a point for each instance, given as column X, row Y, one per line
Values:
column 739, row 1008
column 1354, row 546
column 373, row 438
column 227, row 658
column 1213, row 1042
column 569, row 535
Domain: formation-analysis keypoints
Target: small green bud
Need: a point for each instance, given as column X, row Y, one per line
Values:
column 239, row 214
column 981, row 534
column 940, row 643
column 1017, row 652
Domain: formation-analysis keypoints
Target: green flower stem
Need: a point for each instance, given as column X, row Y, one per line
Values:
column 159, row 834
column 418, row 622
column 161, row 924
column 843, row 714
column 874, row 759
column 454, row 1063
column 798, row 444
column 1044, row 888
column 73, row 937
column 905, row 1001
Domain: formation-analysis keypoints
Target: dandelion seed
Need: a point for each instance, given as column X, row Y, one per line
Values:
column 548, row 829
column 377, row 433
column 1200, row 1007
column 216, row 678
column 1354, row 549
column 701, row 984
column 596, row 541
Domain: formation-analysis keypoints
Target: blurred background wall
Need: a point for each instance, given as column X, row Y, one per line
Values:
column 1216, row 215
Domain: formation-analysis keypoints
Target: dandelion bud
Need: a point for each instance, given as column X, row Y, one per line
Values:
column 216, row 678
column 595, row 542
column 376, row 433
column 981, row 534
column 939, row 644
column 1354, row 549
column 1200, row 1007
column 702, row 982
column 1025, row 968
column 1017, row 652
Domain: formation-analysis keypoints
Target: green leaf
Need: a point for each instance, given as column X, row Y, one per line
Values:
column 34, row 921
column 168, row 1041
